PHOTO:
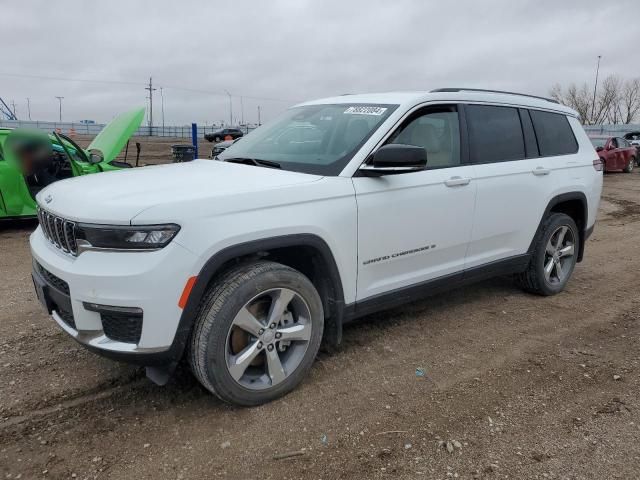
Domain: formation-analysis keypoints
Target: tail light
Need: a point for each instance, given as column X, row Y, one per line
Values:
column 598, row 164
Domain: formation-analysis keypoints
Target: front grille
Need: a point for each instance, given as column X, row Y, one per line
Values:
column 60, row 232
column 53, row 280
column 122, row 327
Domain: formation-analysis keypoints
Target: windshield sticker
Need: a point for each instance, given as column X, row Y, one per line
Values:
column 362, row 110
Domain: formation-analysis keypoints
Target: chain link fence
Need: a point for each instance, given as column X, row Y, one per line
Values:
column 72, row 128
column 611, row 130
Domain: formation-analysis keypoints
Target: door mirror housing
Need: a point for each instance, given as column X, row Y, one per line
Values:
column 395, row 158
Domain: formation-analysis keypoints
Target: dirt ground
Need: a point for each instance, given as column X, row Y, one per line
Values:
column 520, row 387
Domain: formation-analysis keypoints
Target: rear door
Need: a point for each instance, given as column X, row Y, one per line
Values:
column 414, row 227
column 512, row 182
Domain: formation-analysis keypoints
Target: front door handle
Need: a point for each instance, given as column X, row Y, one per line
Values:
column 541, row 171
column 457, row 181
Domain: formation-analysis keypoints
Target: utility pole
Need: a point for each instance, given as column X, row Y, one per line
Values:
column 230, row 109
column 151, row 89
column 162, row 107
column 241, row 110
column 29, row 108
column 60, row 105
column 595, row 86
column 258, row 115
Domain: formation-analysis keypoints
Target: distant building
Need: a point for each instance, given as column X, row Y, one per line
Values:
column 88, row 122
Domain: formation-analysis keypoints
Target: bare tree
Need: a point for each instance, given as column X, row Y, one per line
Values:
column 629, row 102
column 616, row 101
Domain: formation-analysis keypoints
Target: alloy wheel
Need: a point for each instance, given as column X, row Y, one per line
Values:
column 268, row 338
column 559, row 255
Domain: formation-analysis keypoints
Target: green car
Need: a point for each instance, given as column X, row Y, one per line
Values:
column 62, row 159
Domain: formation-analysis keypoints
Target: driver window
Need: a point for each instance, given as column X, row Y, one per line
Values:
column 435, row 130
column 614, row 143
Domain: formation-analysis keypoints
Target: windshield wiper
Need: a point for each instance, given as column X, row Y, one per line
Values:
column 253, row 161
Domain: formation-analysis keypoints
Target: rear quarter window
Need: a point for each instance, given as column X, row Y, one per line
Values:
column 495, row 133
column 554, row 133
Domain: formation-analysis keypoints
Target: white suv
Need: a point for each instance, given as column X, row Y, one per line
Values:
column 336, row 209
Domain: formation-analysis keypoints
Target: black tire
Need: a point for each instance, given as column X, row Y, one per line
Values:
column 207, row 353
column 630, row 165
column 604, row 165
column 533, row 278
column 217, row 139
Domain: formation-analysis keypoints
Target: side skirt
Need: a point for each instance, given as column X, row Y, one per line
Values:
column 445, row 283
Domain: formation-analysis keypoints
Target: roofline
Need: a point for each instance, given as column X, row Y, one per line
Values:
column 483, row 90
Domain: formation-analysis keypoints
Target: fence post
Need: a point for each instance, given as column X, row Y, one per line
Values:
column 194, row 138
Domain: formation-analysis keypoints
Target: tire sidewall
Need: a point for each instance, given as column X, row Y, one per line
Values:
column 555, row 221
column 216, row 369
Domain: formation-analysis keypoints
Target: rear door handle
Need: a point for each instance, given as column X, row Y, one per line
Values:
column 457, row 181
column 541, row 171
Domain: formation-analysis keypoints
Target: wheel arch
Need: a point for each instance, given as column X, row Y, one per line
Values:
column 306, row 253
column 573, row 204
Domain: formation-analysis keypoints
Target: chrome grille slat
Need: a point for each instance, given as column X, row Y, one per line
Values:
column 60, row 232
column 52, row 229
column 58, row 226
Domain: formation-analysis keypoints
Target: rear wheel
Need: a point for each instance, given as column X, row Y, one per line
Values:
column 217, row 139
column 554, row 256
column 630, row 165
column 257, row 334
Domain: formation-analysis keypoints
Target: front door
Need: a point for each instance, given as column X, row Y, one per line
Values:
column 415, row 227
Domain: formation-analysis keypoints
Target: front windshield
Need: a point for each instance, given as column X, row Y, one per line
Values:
column 598, row 142
column 319, row 139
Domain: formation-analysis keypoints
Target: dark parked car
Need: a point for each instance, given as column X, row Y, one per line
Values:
column 224, row 134
column 615, row 153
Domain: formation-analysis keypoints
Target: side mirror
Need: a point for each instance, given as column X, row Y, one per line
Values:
column 395, row 158
column 599, row 149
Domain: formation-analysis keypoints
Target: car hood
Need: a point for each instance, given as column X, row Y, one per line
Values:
column 117, row 197
column 114, row 136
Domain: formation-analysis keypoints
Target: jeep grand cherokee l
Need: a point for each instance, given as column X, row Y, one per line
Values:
column 246, row 265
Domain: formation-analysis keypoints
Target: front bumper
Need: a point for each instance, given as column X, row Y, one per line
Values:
column 70, row 287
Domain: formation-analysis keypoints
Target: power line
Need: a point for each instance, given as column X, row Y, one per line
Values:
column 123, row 82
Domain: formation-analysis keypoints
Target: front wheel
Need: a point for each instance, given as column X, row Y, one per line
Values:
column 554, row 256
column 630, row 165
column 257, row 333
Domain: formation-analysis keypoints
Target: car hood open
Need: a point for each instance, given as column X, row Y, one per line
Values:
column 114, row 136
column 117, row 197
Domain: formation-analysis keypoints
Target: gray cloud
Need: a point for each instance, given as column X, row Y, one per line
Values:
column 277, row 53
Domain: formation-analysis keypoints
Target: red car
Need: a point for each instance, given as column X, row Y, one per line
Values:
column 615, row 152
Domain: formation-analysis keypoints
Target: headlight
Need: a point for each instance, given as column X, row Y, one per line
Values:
column 147, row 237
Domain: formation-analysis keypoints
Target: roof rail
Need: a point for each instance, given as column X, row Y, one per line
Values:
column 491, row 91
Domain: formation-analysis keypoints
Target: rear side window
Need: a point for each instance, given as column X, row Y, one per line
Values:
column 555, row 136
column 495, row 134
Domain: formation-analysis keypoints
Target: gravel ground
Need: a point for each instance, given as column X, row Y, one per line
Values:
column 514, row 386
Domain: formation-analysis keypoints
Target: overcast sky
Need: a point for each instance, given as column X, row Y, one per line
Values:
column 277, row 53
